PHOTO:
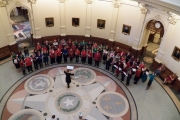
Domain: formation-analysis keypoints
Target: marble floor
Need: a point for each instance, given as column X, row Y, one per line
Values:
column 152, row 104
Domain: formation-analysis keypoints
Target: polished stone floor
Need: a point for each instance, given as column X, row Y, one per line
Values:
column 152, row 104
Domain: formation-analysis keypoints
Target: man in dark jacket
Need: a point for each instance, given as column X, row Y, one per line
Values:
column 68, row 77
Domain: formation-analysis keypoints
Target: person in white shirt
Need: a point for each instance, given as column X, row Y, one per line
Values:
column 55, row 43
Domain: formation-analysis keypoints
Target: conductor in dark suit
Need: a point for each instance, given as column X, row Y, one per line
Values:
column 68, row 77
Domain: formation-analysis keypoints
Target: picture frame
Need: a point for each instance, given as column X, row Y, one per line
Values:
column 126, row 29
column 101, row 24
column 49, row 22
column 75, row 22
column 176, row 53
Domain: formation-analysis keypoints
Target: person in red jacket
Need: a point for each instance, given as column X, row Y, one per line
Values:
column 52, row 56
column 28, row 62
column 83, row 56
column 77, row 53
column 38, row 47
column 137, row 75
column 58, row 55
column 90, row 55
column 44, row 48
column 97, row 58
column 71, row 55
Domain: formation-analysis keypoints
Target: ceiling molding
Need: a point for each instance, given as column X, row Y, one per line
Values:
column 163, row 5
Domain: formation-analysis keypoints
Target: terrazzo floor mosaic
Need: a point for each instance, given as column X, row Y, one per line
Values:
column 93, row 93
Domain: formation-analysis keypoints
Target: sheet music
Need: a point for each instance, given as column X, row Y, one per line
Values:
column 70, row 67
column 134, row 69
column 125, row 74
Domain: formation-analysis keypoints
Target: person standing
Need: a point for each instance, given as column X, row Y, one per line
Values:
column 34, row 58
column 137, row 75
column 28, row 63
column 68, row 77
column 52, row 56
column 71, row 55
column 58, row 55
column 77, row 53
column 123, row 73
column 38, row 47
column 144, row 75
column 26, row 51
column 39, row 59
column 97, row 58
column 83, row 56
column 105, row 54
column 151, row 78
column 130, row 73
column 45, row 58
column 65, row 54
column 23, row 67
column 90, row 54
column 108, row 62
column 16, row 63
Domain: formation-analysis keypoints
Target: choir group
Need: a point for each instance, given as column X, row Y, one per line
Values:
column 117, row 60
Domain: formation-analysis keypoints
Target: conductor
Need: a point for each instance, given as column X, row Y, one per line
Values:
column 68, row 77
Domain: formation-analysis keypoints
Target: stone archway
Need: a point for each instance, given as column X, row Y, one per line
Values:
column 20, row 17
column 152, row 35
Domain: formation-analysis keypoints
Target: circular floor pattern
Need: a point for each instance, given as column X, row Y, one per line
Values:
column 28, row 114
column 24, row 44
column 39, row 84
column 93, row 97
column 112, row 104
column 148, row 59
column 84, row 76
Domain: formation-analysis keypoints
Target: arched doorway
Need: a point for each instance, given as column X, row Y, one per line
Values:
column 21, row 26
column 153, row 33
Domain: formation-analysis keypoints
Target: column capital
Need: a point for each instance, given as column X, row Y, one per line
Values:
column 172, row 20
column 171, row 17
column 3, row 3
column 32, row 1
column 144, row 10
column 116, row 3
column 88, row 1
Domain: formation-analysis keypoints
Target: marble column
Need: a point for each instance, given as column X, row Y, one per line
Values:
column 37, row 33
column 88, row 18
column 62, row 18
column 165, row 40
column 7, row 25
column 114, row 22
column 138, row 39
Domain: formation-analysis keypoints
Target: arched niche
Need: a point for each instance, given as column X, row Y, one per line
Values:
column 30, row 16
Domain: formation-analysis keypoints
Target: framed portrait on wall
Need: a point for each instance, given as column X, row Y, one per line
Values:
column 176, row 53
column 49, row 22
column 75, row 22
column 126, row 29
column 101, row 24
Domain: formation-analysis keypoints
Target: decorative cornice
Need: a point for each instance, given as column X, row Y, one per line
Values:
column 32, row 1
column 159, row 4
column 3, row 3
column 88, row 1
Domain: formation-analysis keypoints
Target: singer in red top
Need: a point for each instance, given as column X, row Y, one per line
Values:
column 52, row 56
column 71, row 55
column 38, row 47
column 77, row 53
column 83, row 56
column 28, row 62
column 58, row 55
column 90, row 54
column 97, row 58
